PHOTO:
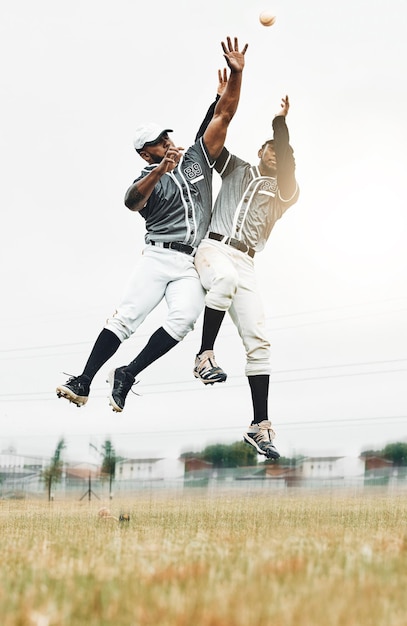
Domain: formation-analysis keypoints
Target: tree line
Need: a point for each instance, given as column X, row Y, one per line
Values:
column 237, row 454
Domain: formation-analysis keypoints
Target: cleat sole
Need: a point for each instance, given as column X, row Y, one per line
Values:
column 115, row 408
column 272, row 455
column 112, row 403
column 210, row 382
column 78, row 400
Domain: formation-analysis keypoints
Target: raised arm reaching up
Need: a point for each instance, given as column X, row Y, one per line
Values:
column 215, row 134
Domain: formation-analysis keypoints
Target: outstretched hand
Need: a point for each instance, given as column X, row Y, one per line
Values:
column 285, row 105
column 234, row 57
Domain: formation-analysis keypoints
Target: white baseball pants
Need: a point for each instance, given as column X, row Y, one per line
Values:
column 160, row 273
column 229, row 279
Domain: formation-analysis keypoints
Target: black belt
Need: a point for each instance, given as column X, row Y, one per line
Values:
column 235, row 243
column 174, row 245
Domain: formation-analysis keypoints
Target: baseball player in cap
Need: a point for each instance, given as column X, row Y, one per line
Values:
column 250, row 201
column 148, row 135
column 173, row 194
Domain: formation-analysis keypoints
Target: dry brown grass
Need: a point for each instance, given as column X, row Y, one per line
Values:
column 190, row 559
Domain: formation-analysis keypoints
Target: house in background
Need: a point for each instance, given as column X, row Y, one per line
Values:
column 10, row 460
column 380, row 471
column 148, row 469
column 22, row 474
column 330, row 467
column 19, row 470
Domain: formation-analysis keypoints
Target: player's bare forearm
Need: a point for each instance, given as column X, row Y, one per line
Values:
column 228, row 102
column 215, row 134
column 140, row 191
column 226, row 107
column 134, row 200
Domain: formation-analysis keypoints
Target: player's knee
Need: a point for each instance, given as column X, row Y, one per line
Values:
column 220, row 295
column 258, row 357
column 258, row 362
column 178, row 328
column 180, row 322
column 119, row 328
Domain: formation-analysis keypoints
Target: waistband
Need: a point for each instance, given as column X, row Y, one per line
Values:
column 175, row 245
column 235, row 243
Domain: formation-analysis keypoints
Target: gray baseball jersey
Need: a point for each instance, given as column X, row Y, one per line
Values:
column 248, row 204
column 179, row 209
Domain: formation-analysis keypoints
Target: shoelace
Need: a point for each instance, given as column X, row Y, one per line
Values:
column 126, row 386
column 208, row 363
column 136, row 382
column 264, row 434
column 71, row 377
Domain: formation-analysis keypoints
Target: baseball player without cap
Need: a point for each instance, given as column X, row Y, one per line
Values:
column 148, row 133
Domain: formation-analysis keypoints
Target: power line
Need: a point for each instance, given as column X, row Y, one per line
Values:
column 323, row 367
column 46, row 347
column 227, row 323
column 352, row 421
column 31, row 396
column 337, row 319
column 81, row 312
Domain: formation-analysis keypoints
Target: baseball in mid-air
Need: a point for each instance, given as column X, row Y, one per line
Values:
column 267, row 18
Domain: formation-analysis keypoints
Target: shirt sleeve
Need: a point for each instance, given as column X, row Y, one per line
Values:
column 207, row 118
column 286, row 181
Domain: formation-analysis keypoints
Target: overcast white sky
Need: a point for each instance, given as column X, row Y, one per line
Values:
column 77, row 78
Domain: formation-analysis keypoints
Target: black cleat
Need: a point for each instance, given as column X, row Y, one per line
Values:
column 120, row 383
column 76, row 390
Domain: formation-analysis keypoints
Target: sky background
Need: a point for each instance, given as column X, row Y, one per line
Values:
column 77, row 78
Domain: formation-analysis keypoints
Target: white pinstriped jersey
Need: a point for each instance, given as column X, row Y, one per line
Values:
column 248, row 204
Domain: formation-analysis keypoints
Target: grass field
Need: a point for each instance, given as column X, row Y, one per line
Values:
column 193, row 559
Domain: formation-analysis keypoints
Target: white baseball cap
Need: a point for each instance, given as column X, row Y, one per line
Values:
column 148, row 133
